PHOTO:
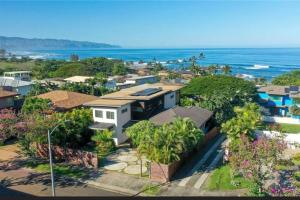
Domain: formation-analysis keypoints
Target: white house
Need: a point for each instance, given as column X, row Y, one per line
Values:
column 116, row 111
column 18, row 75
column 139, row 80
column 18, row 86
column 110, row 84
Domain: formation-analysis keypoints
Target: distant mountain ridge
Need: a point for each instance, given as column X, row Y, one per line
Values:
column 19, row 43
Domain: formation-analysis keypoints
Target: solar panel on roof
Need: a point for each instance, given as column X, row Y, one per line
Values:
column 147, row 92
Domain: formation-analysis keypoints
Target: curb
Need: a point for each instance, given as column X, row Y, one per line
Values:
column 111, row 188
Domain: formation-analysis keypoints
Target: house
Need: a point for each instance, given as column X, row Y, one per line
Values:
column 110, row 84
column 117, row 111
column 139, row 80
column 18, row 86
column 65, row 100
column 278, row 99
column 7, row 98
column 77, row 79
column 18, row 75
column 200, row 116
column 186, row 74
column 163, row 74
column 54, row 81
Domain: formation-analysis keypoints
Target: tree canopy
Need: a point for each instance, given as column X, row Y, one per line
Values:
column 227, row 85
column 219, row 94
column 290, row 78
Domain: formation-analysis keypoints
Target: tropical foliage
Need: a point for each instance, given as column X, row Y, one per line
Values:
column 85, row 88
column 165, row 144
column 10, row 125
column 295, row 110
column 34, row 104
column 104, row 142
column 247, row 119
column 85, row 67
column 218, row 94
column 290, row 78
column 72, row 133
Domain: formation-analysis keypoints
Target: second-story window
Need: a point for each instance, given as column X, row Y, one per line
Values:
column 99, row 113
column 110, row 115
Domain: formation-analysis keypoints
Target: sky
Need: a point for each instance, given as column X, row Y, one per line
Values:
column 160, row 24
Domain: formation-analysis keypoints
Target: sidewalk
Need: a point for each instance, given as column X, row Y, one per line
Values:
column 23, row 181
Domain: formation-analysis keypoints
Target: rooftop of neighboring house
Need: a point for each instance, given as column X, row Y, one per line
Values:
column 143, row 92
column 14, row 83
column 185, row 72
column 199, row 115
column 65, row 100
column 6, row 94
column 78, row 79
column 137, row 77
column 293, row 91
column 18, row 72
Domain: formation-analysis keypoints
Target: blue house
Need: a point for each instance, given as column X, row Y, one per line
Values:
column 278, row 99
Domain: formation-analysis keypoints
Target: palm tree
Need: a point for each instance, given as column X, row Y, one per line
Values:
column 212, row 69
column 226, row 69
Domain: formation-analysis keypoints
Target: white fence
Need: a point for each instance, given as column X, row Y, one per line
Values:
column 287, row 120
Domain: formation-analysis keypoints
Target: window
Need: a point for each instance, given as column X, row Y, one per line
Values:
column 124, row 110
column 110, row 115
column 99, row 113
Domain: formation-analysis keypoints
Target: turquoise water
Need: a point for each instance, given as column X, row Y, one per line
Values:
column 242, row 60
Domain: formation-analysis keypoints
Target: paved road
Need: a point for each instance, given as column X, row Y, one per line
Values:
column 20, row 182
column 41, row 190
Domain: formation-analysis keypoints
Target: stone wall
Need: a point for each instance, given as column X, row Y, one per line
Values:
column 73, row 156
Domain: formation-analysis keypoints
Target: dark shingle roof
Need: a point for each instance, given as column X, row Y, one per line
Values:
column 196, row 114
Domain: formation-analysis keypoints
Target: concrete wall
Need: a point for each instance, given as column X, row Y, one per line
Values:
column 169, row 100
column 23, row 90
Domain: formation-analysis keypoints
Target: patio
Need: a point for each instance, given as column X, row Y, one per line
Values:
column 126, row 160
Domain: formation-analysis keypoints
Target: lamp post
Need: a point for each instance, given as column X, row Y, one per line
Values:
column 50, row 157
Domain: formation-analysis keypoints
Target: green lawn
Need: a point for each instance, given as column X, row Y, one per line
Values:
column 221, row 180
column 151, row 189
column 286, row 128
column 290, row 128
column 60, row 169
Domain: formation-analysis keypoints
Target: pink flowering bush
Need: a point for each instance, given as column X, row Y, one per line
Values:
column 256, row 160
column 10, row 124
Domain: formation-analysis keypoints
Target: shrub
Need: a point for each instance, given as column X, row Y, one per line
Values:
column 165, row 144
column 104, row 142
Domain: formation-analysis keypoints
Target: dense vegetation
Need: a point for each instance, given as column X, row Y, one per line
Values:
column 290, row 78
column 219, row 94
column 58, row 68
column 167, row 143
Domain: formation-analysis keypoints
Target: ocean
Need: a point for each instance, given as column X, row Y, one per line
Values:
column 252, row 62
